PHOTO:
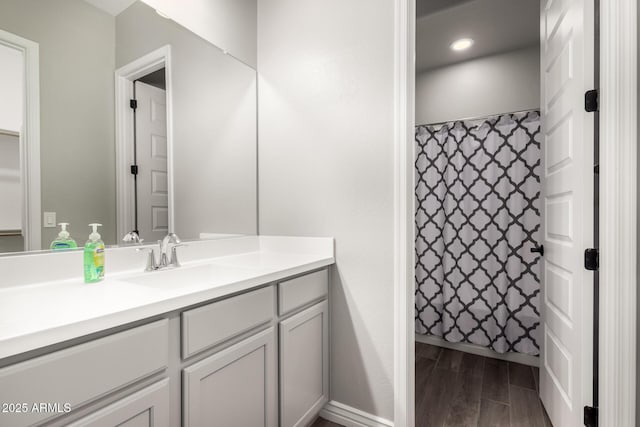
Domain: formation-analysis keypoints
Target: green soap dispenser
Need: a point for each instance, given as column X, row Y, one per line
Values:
column 94, row 257
column 64, row 240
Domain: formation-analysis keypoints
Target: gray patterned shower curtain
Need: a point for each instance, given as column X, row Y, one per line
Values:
column 477, row 218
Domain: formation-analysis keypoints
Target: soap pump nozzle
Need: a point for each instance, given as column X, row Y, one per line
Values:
column 94, row 236
column 63, row 234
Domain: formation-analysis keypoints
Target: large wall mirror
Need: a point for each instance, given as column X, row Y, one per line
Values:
column 113, row 113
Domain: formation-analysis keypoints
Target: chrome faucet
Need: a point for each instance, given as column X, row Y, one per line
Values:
column 172, row 241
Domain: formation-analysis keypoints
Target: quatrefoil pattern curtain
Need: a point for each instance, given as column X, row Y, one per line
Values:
column 477, row 218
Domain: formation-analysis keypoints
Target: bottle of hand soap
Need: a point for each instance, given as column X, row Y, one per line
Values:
column 64, row 240
column 94, row 257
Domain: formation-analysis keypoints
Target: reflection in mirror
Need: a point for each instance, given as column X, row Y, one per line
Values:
column 12, row 194
column 169, row 145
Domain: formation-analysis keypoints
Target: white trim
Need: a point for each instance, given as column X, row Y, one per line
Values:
column 404, row 299
column 124, row 77
column 521, row 358
column 29, row 139
column 348, row 416
column 618, row 181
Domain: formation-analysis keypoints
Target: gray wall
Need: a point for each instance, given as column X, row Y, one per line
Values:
column 77, row 57
column 214, row 124
column 480, row 87
column 326, row 169
column 229, row 24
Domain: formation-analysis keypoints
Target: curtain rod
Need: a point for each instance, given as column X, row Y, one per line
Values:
column 470, row 119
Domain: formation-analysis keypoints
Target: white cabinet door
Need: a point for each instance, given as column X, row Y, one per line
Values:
column 304, row 365
column 235, row 387
column 567, row 181
column 147, row 408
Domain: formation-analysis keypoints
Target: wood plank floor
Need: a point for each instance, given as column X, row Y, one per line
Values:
column 460, row 389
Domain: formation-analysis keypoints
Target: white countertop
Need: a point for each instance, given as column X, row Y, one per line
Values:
column 40, row 314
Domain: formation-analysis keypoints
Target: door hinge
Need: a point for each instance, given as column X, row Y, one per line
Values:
column 590, row 416
column 133, row 103
column 591, row 100
column 134, row 169
column 591, row 260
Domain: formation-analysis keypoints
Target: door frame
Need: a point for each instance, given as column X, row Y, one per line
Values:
column 618, row 212
column 404, row 208
column 124, row 78
column 29, row 139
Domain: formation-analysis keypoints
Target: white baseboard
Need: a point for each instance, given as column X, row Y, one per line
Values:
column 351, row 417
column 524, row 359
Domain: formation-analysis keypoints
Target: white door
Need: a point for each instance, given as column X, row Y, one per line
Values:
column 567, row 71
column 151, row 149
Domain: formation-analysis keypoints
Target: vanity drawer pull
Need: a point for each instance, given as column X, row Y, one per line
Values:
column 204, row 327
column 85, row 372
column 302, row 290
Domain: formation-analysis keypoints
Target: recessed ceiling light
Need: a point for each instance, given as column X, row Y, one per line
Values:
column 462, row 44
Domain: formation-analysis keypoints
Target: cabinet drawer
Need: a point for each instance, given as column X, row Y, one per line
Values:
column 302, row 290
column 147, row 407
column 206, row 326
column 82, row 373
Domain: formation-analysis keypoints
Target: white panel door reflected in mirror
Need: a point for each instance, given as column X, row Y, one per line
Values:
column 152, row 201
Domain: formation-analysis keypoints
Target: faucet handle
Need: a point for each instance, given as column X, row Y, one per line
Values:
column 174, row 255
column 152, row 265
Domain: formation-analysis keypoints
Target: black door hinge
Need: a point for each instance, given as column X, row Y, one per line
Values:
column 591, row 101
column 134, row 169
column 591, row 259
column 133, row 103
column 590, row 416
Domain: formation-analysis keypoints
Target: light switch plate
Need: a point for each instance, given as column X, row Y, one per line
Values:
column 49, row 220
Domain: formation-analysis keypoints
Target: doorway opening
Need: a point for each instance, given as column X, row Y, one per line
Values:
column 19, row 144
column 504, row 209
column 144, row 147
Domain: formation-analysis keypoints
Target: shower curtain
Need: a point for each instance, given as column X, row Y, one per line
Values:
column 477, row 218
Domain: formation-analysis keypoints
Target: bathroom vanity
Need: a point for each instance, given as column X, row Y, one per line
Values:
column 237, row 336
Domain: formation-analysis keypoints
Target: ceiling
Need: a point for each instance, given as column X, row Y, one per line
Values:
column 427, row 7
column 112, row 7
column 495, row 25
